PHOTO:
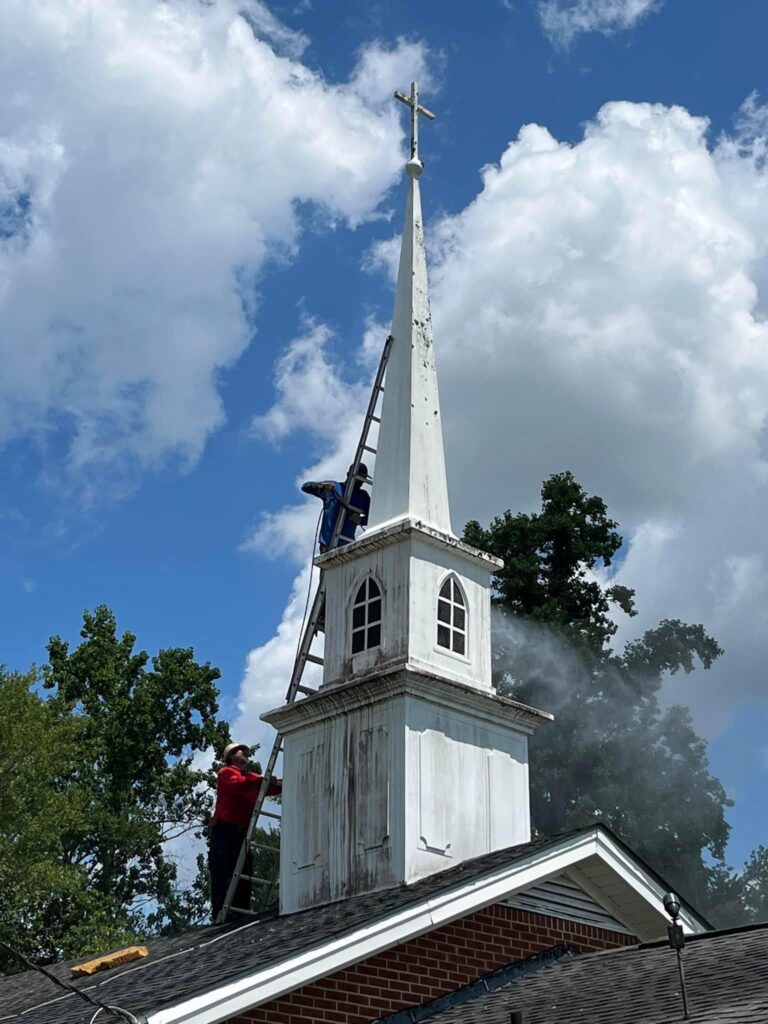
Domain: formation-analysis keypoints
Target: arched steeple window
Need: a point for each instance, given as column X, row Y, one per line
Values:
column 366, row 616
column 452, row 617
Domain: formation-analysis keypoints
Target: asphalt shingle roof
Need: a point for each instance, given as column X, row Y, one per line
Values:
column 726, row 974
column 200, row 960
column 197, row 961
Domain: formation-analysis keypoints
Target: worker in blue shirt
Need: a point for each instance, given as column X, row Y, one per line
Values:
column 332, row 494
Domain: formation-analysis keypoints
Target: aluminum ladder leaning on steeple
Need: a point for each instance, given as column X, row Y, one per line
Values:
column 303, row 655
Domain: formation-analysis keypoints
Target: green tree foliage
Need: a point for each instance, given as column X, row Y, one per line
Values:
column 612, row 752
column 754, row 882
column 48, row 909
column 99, row 779
column 266, row 862
column 139, row 729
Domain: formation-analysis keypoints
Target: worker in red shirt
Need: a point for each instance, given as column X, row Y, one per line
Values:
column 237, row 788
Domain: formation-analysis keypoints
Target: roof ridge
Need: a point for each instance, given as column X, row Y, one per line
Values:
column 735, row 929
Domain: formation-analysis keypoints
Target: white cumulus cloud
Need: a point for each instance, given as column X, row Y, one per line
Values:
column 151, row 159
column 597, row 308
column 311, row 396
column 268, row 669
column 564, row 20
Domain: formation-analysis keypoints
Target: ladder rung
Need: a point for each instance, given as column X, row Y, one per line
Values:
column 257, row 880
column 367, row 448
column 376, row 419
column 314, row 659
column 269, row 814
column 263, row 846
column 242, row 910
column 306, row 689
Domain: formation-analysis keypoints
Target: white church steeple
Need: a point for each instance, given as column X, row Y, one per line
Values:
column 407, row 761
column 410, row 465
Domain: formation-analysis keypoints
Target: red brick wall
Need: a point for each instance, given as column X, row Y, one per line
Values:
column 430, row 966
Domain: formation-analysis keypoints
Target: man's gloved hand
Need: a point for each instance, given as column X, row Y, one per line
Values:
column 316, row 488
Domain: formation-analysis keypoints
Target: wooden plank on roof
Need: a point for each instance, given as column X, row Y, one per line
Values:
column 109, row 960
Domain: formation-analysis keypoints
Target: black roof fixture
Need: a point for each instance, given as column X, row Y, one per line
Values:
column 677, row 942
column 672, row 905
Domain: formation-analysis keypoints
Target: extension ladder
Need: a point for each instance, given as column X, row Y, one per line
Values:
column 314, row 625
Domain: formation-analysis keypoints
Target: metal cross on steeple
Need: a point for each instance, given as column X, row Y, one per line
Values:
column 412, row 101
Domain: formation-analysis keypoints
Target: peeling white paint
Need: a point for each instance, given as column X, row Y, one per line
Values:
column 410, row 775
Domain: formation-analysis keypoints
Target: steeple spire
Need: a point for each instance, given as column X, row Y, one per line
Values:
column 410, row 480
column 407, row 704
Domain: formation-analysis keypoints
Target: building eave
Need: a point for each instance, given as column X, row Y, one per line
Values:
column 594, row 845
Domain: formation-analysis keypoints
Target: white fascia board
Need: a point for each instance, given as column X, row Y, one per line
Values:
column 278, row 979
column 536, row 868
column 309, row 966
column 644, row 884
column 591, row 889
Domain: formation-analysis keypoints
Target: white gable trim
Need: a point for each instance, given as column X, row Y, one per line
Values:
column 311, row 965
column 632, row 872
column 598, row 896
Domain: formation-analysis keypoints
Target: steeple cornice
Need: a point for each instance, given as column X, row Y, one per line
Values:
column 399, row 530
column 383, row 686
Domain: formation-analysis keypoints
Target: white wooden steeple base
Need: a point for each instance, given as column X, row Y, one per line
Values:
column 394, row 777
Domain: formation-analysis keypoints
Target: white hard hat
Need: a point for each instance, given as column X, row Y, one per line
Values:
column 232, row 747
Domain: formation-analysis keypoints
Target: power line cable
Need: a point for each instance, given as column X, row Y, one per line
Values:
column 311, row 572
column 114, row 1011
column 116, row 974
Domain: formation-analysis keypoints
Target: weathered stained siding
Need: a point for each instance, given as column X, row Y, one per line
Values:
column 466, row 787
column 342, row 806
column 391, row 791
column 389, row 567
column 429, row 568
column 433, row 965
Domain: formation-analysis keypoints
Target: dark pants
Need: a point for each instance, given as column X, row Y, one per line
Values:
column 223, row 849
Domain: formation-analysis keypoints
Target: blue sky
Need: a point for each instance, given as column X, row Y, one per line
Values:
column 186, row 200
